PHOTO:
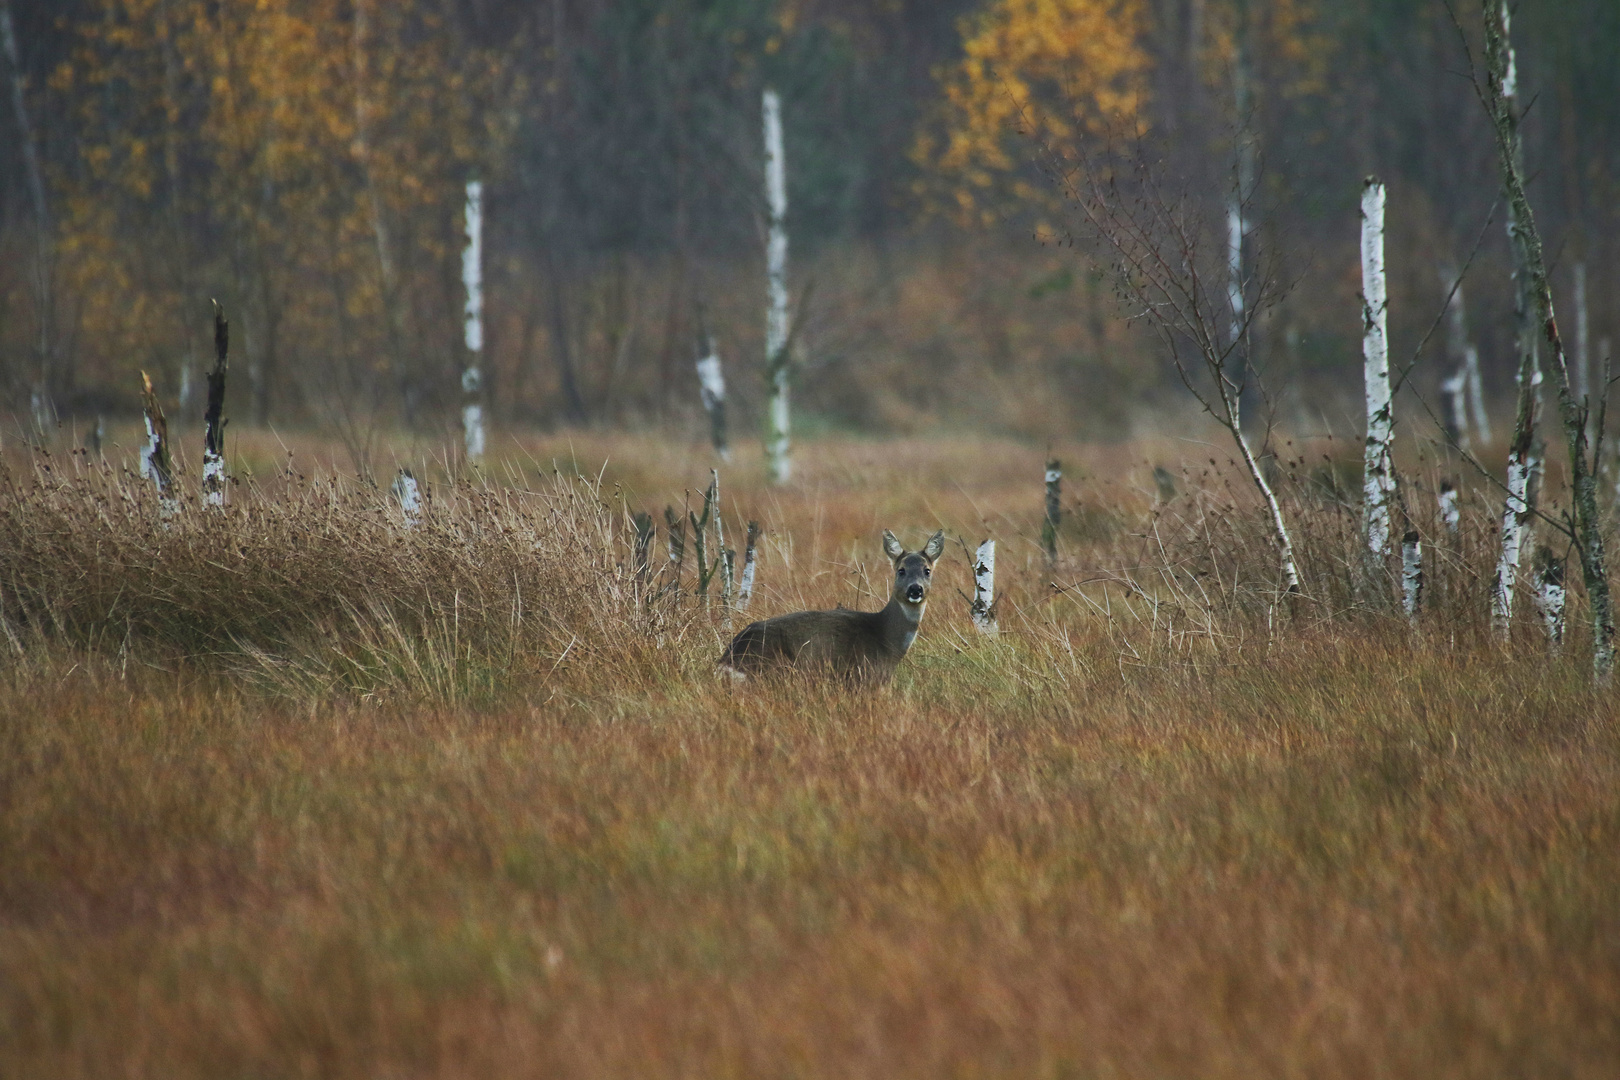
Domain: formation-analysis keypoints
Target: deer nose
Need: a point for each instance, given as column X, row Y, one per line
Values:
column 915, row 594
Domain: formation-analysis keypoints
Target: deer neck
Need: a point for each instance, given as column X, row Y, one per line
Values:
column 900, row 620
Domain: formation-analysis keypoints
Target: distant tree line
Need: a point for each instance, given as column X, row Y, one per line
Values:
column 304, row 162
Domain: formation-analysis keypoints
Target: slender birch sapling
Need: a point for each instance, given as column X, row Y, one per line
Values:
column 1378, row 484
column 1587, row 534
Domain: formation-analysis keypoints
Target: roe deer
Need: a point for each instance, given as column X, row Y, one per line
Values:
column 855, row 644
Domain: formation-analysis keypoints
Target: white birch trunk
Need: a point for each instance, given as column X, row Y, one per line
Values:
column 984, row 587
column 472, row 280
column 776, row 312
column 1411, row 574
column 745, row 589
column 1456, row 390
column 1550, row 599
column 712, row 389
column 1476, row 395
column 409, row 496
column 1379, row 476
column 1450, row 513
column 1515, row 513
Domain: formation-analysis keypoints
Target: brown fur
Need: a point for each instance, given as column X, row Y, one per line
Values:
column 865, row 645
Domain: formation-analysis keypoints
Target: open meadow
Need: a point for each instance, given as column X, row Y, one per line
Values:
column 291, row 790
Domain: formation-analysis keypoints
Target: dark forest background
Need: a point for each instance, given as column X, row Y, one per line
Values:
column 304, row 163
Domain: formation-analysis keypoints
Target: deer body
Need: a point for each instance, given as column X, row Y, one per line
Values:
column 855, row 644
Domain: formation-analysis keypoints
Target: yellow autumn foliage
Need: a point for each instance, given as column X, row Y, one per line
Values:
column 316, row 147
column 1037, row 75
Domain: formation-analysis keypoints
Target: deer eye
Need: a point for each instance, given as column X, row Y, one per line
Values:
column 928, row 571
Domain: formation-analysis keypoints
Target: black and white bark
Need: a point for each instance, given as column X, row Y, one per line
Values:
column 214, row 478
column 157, row 465
column 1378, row 484
column 408, row 493
column 745, row 588
column 1550, row 597
column 1500, row 97
column 472, row 281
column 777, row 354
column 1411, row 574
column 712, row 387
column 984, row 588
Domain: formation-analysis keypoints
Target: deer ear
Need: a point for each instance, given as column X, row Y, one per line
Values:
column 935, row 546
column 892, row 547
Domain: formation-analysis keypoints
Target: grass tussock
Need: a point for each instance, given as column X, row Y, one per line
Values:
column 1160, row 826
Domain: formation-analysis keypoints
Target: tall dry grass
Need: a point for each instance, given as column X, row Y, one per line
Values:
column 1161, row 826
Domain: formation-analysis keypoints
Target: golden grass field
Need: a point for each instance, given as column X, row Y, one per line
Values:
column 290, row 791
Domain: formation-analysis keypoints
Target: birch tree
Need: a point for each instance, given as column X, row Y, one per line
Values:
column 1500, row 98
column 984, row 588
column 1378, row 484
column 776, row 310
column 1156, row 244
column 472, row 280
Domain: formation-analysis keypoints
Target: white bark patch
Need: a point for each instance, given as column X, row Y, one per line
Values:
column 1450, row 513
column 984, row 587
column 776, row 308
column 1411, row 574
column 472, row 425
column 745, row 588
column 1379, row 476
column 1476, row 395
column 409, row 496
column 1456, row 390
column 1550, row 598
column 213, row 479
column 1514, row 513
